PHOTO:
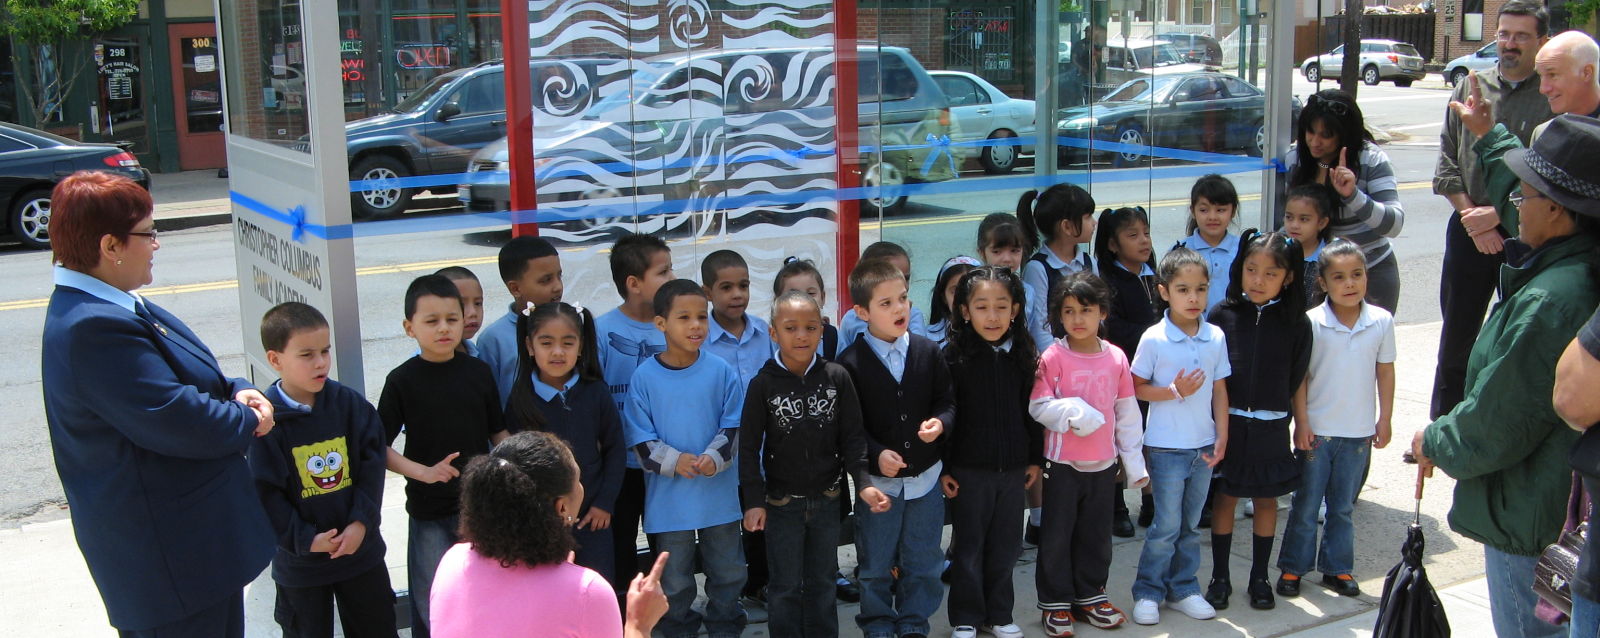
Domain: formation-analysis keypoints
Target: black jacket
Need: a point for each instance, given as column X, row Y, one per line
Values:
column 1135, row 306
column 317, row 470
column 806, row 432
column 994, row 431
column 893, row 411
column 1269, row 350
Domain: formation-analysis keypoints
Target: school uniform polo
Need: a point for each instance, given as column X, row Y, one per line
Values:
column 1164, row 351
column 497, row 346
column 893, row 355
column 746, row 352
column 1342, row 381
column 1036, row 281
column 1219, row 260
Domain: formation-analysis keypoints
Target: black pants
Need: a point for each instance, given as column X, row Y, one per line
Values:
column 366, row 607
column 625, row 529
column 222, row 620
column 1074, row 536
column 985, row 544
column 755, row 559
column 1465, row 289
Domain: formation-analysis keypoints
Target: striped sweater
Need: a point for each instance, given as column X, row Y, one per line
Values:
column 1373, row 214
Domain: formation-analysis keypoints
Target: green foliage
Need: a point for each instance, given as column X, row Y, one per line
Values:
column 36, row 22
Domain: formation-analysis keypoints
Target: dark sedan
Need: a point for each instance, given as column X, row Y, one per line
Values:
column 1207, row 112
column 32, row 161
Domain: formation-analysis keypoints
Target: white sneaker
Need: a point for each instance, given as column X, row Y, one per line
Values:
column 1147, row 612
column 1194, row 607
column 1003, row 631
column 964, row 631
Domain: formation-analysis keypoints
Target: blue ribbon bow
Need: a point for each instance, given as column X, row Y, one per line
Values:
column 297, row 223
column 941, row 146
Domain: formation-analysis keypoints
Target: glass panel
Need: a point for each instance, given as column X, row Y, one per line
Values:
column 122, row 92
column 361, row 59
column 426, row 36
column 266, row 89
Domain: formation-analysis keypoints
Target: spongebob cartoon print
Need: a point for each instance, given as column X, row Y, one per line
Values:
column 322, row 467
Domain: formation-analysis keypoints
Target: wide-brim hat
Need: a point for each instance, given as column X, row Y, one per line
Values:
column 1561, row 163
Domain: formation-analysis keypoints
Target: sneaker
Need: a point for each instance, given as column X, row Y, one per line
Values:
column 1343, row 584
column 1009, row 631
column 1195, row 607
column 846, row 590
column 1147, row 612
column 1101, row 615
column 1288, row 585
column 964, row 631
column 1217, row 593
column 1058, row 624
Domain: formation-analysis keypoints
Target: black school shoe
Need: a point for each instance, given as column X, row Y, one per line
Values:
column 1030, row 536
column 1289, row 586
column 1261, row 594
column 1121, row 527
column 1147, row 515
column 846, row 590
column 1217, row 593
column 1342, row 584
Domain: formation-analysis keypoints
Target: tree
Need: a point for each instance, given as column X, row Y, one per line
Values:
column 1350, row 69
column 55, row 32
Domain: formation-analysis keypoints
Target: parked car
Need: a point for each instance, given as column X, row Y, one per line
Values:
column 1132, row 59
column 979, row 111
column 1380, row 60
column 678, row 136
column 436, row 129
column 1209, row 111
column 1487, row 57
column 1196, row 47
column 32, row 161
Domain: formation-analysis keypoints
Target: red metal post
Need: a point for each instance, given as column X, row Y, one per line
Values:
column 519, row 114
column 847, row 139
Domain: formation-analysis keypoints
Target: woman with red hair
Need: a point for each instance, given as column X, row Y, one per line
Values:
column 148, row 433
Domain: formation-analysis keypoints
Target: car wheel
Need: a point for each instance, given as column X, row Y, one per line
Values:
column 1313, row 73
column 1131, row 134
column 1403, row 82
column 1457, row 77
column 1000, row 158
column 389, row 198
column 1258, row 144
column 882, row 174
column 30, row 219
column 1369, row 76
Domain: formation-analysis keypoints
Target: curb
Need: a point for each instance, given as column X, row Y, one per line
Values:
column 197, row 220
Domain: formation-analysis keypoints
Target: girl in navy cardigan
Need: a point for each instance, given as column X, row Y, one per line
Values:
column 560, row 389
column 1127, row 259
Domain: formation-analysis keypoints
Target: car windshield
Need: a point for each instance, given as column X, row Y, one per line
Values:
column 415, row 101
column 51, row 137
column 1143, row 90
column 639, row 84
column 1157, row 55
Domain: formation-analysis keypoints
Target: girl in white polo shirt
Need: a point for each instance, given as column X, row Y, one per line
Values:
column 1353, row 352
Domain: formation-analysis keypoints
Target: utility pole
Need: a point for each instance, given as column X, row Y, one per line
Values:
column 1350, row 67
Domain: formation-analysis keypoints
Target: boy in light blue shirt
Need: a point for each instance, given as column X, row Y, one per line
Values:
column 531, row 270
column 682, row 420
column 736, row 336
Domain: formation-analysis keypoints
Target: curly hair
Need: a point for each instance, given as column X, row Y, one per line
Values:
column 508, row 497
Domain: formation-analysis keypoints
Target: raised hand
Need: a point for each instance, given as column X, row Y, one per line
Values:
column 1477, row 113
column 1344, row 179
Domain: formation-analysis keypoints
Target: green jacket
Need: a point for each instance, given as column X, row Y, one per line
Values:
column 1499, row 181
column 1503, row 443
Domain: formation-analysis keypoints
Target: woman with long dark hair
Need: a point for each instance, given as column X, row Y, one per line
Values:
column 1332, row 147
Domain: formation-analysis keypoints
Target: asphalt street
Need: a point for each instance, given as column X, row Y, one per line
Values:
column 195, row 273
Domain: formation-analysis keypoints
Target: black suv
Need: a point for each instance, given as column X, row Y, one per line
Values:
column 436, row 130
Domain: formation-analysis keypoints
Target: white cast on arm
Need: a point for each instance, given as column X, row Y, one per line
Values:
column 1071, row 414
column 1130, row 442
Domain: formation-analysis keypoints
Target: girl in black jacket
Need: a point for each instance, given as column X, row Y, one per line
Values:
column 1128, row 266
column 993, row 452
column 1269, row 350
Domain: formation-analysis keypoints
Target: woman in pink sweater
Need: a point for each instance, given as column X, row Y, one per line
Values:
column 512, row 575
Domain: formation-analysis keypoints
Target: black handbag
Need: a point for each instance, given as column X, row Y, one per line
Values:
column 1558, row 564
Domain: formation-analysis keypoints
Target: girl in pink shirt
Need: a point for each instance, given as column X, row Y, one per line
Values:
column 512, row 575
column 1083, row 395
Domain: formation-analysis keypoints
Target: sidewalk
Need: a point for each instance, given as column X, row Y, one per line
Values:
column 45, row 588
column 190, row 199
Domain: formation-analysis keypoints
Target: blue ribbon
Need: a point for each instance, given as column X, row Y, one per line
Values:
column 941, row 146
column 297, row 223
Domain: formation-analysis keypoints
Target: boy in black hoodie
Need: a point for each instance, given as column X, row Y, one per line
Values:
column 320, row 476
column 803, row 421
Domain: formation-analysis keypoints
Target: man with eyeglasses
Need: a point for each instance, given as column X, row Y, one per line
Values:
column 1472, row 261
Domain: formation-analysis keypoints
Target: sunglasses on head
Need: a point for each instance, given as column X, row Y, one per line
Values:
column 1332, row 106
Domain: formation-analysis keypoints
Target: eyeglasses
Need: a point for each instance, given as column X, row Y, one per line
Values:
column 1332, row 106
column 1516, row 199
column 152, row 234
column 1518, row 38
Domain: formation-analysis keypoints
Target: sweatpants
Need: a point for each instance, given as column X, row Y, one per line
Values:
column 984, row 544
column 1074, row 536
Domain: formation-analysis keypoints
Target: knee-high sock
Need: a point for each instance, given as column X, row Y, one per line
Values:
column 1260, row 557
column 1221, row 547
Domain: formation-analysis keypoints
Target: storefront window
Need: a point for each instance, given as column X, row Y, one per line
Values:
column 266, row 84
column 426, row 38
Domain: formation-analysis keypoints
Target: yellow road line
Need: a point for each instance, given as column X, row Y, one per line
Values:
column 28, row 304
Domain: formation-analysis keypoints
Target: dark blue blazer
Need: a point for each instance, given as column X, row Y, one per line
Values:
column 150, row 444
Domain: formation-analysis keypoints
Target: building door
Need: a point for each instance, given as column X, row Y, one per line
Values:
column 197, row 96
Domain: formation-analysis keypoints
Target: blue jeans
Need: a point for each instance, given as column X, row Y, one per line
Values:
column 1585, row 621
column 907, row 536
column 426, row 543
column 1330, row 470
column 802, row 558
column 721, row 556
column 1511, row 597
column 1179, row 480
